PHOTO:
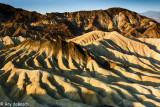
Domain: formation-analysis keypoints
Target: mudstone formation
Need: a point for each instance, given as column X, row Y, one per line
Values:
column 100, row 58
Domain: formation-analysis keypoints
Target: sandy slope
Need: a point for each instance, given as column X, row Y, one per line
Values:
column 110, row 69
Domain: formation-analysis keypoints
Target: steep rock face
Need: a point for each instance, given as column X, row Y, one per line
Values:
column 18, row 22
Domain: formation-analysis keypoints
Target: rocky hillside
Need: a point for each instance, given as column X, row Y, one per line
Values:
column 104, row 70
column 18, row 22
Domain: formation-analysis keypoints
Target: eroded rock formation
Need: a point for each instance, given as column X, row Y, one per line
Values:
column 46, row 73
column 70, row 60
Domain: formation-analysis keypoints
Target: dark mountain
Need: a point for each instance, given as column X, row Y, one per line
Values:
column 18, row 22
column 152, row 14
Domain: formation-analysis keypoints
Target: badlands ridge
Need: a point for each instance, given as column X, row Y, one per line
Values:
column 99, row 58
column 94, row 69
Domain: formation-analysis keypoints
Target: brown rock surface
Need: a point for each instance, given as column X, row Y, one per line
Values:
column 18, row 22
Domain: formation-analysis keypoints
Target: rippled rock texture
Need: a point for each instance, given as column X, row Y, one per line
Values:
column 111, row 70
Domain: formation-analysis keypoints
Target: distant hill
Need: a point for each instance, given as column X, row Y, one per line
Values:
column 152, row 14
column 18, row 22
